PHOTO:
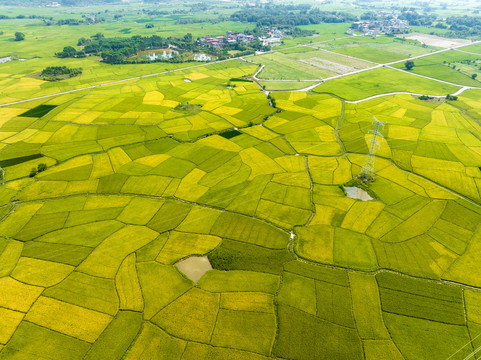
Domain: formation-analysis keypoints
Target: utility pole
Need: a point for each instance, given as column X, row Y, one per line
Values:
column 367, row 171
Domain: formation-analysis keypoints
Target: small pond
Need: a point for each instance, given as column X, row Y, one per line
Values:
column 202, row 57
column 6, row 59
column 160, row 55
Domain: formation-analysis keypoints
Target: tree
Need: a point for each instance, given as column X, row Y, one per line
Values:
column 68, row 51
column 409, row 64
column 82, row 41
column 19, row 36
column 188, row 37
column 53, row 73
column 41, row 167
column 33, row 172
column 474, row 76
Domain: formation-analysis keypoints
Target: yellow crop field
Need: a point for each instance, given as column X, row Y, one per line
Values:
column 259, row 163
column 39, row 272
column 128, row 286
column 16, row 295
column 9, row 320
column 153, row 98
column 115, row 248
column 180, row 210
column 247, row 301
column 189, row 189
column 403, row 132
column 118, row 158
column 361, row 215
column 179, row 245
column 68, row 319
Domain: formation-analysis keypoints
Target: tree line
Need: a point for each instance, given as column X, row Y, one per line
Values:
column 289, row 15
column 52, row 73
column 120, row 50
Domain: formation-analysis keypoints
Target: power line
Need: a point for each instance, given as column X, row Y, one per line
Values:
column 367, row 171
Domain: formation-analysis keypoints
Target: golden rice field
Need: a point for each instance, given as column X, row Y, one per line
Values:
column 136, row 181
column 113, row 196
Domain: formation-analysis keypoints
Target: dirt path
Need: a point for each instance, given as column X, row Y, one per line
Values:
column 243, row 58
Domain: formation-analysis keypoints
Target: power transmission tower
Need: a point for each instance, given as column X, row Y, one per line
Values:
column 367, row 171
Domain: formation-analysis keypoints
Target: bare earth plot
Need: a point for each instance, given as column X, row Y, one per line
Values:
column 309, row 65
column 433, row 40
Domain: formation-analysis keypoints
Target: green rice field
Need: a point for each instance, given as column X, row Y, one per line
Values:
column 108, row 193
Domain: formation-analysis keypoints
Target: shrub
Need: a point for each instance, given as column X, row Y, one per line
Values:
column 19, row 36
column 409, row 64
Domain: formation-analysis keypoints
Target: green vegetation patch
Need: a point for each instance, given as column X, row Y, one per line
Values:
column 319, row 272
column 87, row 291
column 243, row 228
column 380, row 81
column 117, row 337
column 63, row 253
column 170, row 215
column 19, row 160
column 38, row 111
column 245, row 330
column 425, row 340
column 239, row 280
column 235, row 255
column 303, row 336
column 54, row 73
column 230, row 134
column 38, row 342
column 421, row 299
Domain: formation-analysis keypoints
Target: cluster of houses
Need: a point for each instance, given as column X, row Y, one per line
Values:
column 272, row 36
column 376, row 27
column 230, row 38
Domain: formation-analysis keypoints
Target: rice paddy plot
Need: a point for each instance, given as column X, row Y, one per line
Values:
column 306, row 65
column 143, row 177
column 452, row 66
column 381, row 81
column 379, row 50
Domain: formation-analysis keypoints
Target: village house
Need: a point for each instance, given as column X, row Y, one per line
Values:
column 375, row 27
column 273, row 36
column 230, row 38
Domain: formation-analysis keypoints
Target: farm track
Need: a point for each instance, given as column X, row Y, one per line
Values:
column 291, row 247
column 243, row 59
column 388, row 65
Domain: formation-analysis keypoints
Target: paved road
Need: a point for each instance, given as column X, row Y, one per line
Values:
column 434, row 53
column 407, row 93
column 240, row 58
column 115, row 82
column 468, row 52
column 160, row 73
